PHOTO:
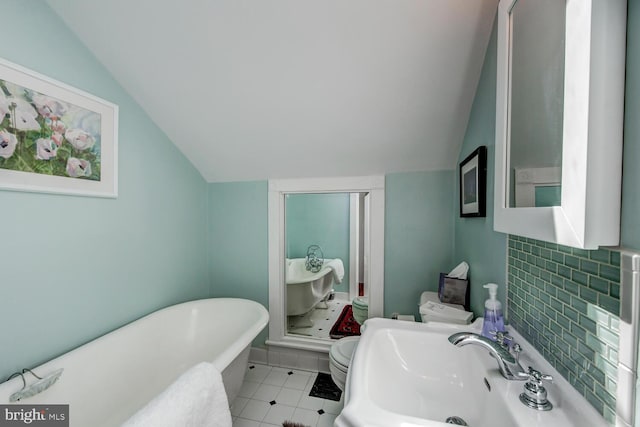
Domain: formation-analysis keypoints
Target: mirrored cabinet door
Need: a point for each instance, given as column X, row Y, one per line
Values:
column 559, row 117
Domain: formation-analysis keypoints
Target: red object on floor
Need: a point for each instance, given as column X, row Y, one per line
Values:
column 346, row 325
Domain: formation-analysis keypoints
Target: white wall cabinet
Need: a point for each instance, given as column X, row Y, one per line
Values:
column 591, row 104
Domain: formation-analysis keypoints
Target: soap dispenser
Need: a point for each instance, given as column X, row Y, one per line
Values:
column 493, row 317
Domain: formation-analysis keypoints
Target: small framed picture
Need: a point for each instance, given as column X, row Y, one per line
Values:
column 473, row 184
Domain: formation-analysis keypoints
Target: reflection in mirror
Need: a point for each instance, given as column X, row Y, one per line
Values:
column 536, row 51
column 325, row 262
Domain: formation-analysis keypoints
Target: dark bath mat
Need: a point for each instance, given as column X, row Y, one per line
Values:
column 324, row 388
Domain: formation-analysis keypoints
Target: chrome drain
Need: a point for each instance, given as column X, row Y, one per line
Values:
column 456, row 420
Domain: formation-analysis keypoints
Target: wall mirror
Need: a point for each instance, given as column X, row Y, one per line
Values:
column 559, row 111
column 326, row 247
column 535, row 119
column 325, row 261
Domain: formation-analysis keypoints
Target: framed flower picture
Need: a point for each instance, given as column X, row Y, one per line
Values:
column 55, row 138
column 473, row 184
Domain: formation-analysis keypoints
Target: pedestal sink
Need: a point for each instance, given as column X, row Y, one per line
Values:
column 408, row 374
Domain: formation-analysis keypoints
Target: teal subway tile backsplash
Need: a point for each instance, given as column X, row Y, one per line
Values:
column 566, row 302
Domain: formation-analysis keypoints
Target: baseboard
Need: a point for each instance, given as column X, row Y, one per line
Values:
column 290, row 358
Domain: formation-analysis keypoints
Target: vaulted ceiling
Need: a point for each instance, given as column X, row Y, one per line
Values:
column 258, row 89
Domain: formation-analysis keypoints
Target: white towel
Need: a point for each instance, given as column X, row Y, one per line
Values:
column 337, row 269
column 196, row 399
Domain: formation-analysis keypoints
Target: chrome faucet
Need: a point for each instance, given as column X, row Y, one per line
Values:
column 507, row 364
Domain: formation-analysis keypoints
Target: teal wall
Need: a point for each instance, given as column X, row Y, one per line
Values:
column 474, row 239
column 74, row 268
column 630, row 236
column 238, row 242
column 319, row 219
column 418, row 229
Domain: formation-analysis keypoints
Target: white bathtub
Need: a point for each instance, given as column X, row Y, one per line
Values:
column 108, row 379
column 306, row 289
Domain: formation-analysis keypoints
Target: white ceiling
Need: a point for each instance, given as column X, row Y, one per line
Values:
column 259, row 89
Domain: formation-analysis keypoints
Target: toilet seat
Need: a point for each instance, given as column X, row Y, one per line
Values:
column 342, row 351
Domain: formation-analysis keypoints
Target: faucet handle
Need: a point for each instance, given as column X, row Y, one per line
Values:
column 535, row 395
column 516, row 349
column 503, row 338
column 537, row 377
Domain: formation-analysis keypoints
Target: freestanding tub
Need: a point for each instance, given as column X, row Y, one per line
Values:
column 306, row 289
column 110, row 378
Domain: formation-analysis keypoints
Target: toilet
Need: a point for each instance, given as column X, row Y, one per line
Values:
column 339, row 359
column 342, row 350
column 432, row 310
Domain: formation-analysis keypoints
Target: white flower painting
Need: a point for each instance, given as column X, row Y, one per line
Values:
column 45, row 135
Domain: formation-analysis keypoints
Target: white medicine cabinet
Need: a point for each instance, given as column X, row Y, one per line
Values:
column 559, row 120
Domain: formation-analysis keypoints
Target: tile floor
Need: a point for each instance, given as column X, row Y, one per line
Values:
column 323, row 320
column 271, row 395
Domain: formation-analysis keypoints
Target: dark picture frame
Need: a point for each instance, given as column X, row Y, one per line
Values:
column 473, row 184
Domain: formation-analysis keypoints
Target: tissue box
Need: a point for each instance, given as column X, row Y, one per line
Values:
column 432, row 310
column 453, row 291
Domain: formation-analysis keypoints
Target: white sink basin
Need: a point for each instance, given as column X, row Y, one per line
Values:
column 409, row 374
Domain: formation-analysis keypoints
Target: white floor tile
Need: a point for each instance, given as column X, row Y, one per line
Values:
column 255, row 410
column 238, row 405
column 266, row 392
column 258, row 373
column 241, row 422
column 303, row 372
column 264, row 384
column 326, row 420
column 278, row 414
column 277, row 378
column 297, row 381
column 309, row 386
column 310, row 402
column 332, row 407
column 305, row 416
column 248, row 388
column 288, row 396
